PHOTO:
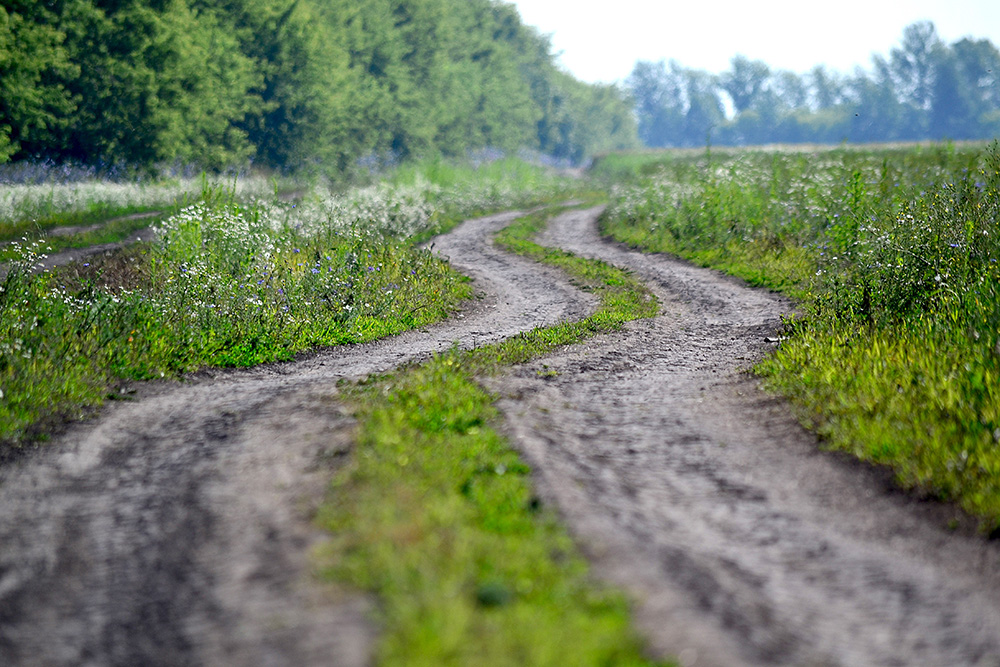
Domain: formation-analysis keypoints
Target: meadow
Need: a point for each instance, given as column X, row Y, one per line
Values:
column 231, row 282
column 892, row 253
column 238, row 276
column 893, row 355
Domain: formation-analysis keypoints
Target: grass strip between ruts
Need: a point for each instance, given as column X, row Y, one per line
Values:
column 436, row 514
column 116, row 230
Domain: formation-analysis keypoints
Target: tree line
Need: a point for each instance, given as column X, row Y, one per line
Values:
column 924, row 89
column 288, row 83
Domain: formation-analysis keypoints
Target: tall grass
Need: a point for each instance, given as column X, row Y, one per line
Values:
column 27, row 208
column 894, row 255
column 229, row 282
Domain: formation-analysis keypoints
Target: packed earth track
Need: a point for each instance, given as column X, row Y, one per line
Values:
column 174, row 528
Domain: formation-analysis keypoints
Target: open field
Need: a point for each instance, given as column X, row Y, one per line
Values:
column 193, row 517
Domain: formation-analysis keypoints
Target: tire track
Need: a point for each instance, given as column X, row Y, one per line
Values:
column 175, row 529
column 742, row 542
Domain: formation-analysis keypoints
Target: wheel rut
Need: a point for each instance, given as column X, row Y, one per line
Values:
column 175, row 528
column 741, row 540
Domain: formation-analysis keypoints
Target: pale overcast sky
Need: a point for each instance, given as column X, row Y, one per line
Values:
column 600, row 41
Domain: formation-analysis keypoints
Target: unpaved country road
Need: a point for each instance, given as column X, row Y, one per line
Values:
column 174, row 529
column 743, row 543
column 71, row 255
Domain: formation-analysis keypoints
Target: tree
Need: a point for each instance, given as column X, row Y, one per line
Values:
column 287, row 82
column 791, row 89
column 826, row 87
column 158, row 83
column 914, row 66
column 952, row 112
column 704, row 108
column 659, row 101
column 744, row 81
column 33, row 62
column 977, row 69
column 877, row 112
column 303, row 96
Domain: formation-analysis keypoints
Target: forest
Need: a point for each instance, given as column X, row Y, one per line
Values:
column 285, row 84
column 924, row 89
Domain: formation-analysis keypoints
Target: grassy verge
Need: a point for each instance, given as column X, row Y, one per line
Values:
column 436, row 513
column 232, row 282
column 30, row 210
column 114, row 230
column 894, row 255
column 219, row 289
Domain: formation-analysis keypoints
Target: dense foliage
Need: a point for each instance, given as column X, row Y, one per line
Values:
column 286, row 83
column 895, row 254
column 924, row 89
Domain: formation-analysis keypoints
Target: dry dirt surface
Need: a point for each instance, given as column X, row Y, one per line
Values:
column 174, row 529
column 743, row 543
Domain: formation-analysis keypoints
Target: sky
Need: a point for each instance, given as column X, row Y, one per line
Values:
column 601, row 41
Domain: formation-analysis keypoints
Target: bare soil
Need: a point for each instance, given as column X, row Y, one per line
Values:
column 742, row 541
column 174, row 528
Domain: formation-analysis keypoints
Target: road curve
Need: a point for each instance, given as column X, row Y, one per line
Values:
column 742, row 541
column 174, row 528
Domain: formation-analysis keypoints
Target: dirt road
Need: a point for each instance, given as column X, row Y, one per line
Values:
column 692, row 488
column 173, row 530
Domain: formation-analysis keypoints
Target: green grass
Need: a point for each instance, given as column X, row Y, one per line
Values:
column 914, row 397
column 893, row 255
column 436, row 514
column 230, row 282
column 164, row 310
column 114, row 230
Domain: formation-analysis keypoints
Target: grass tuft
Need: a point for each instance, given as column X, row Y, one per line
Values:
column 895, row 257
column 437, row 515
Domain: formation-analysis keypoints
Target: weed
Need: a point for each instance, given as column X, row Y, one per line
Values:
column 437, row 515
column 894, row 255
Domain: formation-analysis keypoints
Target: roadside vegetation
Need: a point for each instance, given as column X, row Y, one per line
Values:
column 436, row 514
column 234, row 280
column 894, row 255
column 82, row 211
